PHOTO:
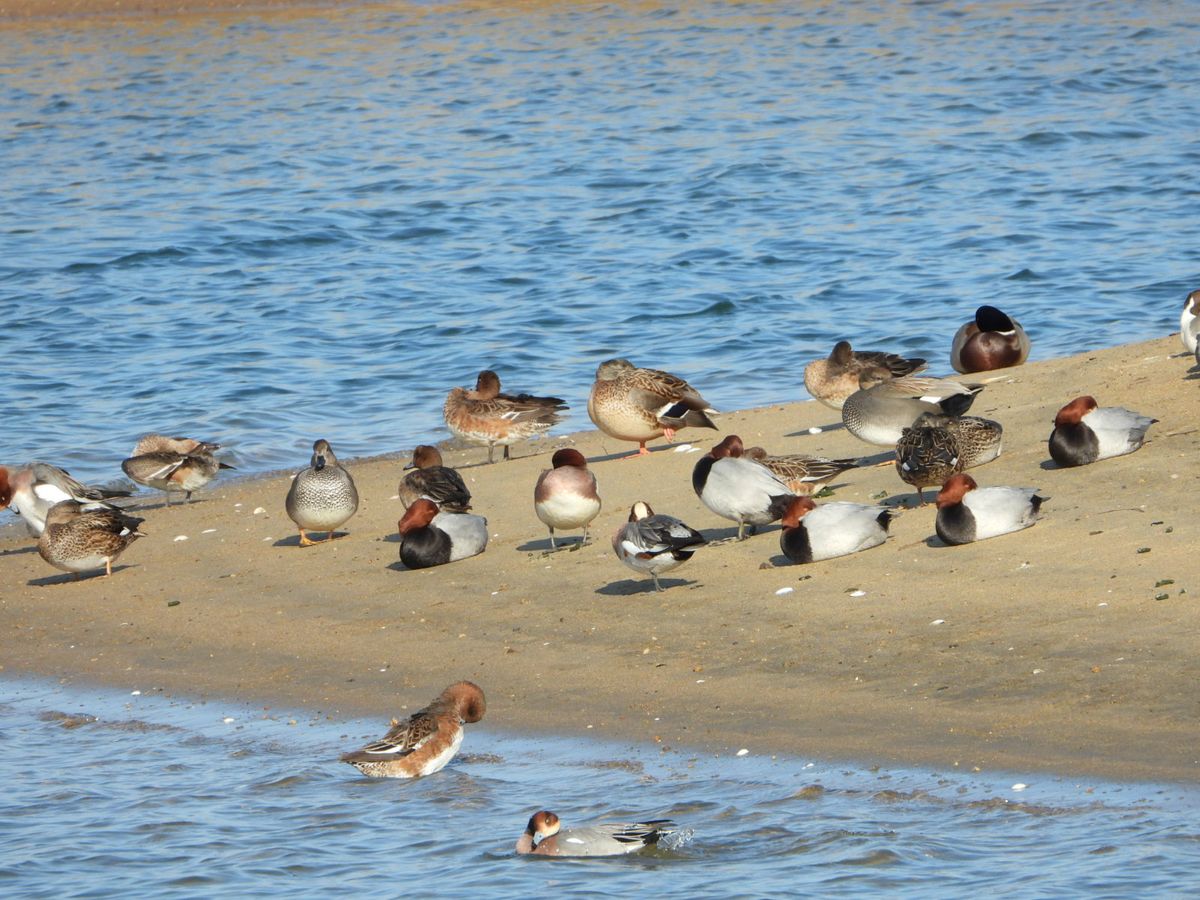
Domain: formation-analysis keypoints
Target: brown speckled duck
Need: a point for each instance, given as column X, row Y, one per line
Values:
column 323, row 496
column 834, row 379
column 76, row 540
column 803, row 474
column 486, row 416
column 936, row 447
column 633, row 404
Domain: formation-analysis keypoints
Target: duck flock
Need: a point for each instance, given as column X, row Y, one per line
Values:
column 883, row 400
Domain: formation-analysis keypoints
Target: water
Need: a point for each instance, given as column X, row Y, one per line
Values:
column 116, row 795
column 262, row 228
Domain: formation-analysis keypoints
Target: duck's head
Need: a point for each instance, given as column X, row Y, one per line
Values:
column 568, row 456
column 612, row 369
column 467, row 699
column 872, row 376
column 419, row 515
column 64, row 511
column 1073, row 412
column 424, row 457
column 954, row 489
column 842, row 354
column 6, row 488
column 758, row 454
column 988, row 318
column 797, row 509
column 322, row 455
column 640, row 510
column 1192, row 303
column 487, row 385
column 730, row 446
column 543, row 824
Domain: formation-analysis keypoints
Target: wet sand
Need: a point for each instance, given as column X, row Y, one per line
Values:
column 1069, row 647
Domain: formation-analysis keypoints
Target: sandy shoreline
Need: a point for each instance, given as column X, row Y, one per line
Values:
column 1052, row 652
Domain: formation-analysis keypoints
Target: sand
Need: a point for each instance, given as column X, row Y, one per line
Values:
column 1069, row 647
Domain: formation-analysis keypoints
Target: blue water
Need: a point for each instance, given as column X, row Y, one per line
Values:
column 111, row 795
column 264, row 228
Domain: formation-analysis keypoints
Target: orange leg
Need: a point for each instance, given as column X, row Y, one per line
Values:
column 305, row 540
column 641, row 451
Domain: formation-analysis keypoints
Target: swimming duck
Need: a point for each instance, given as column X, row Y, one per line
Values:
column 1189, row 323
column 601, row 839
column 812, row 533
column 565, row 496
column 431, row 537
column 739, row 489
column 632, row 404
column 171, row 471
column 967, row 512
column 882, row 407
column 76, row 539
column 834, row 379
column 801, row 473
column 486, row 416
column 433, row 480
column 33, row 489
column 653, row 543
column 1084, row 433
column 935, row 447
column 321, row 497
column 992, row 340
column 425, row 741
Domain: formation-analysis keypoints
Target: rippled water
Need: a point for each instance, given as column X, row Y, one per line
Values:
column 263, row 228
column 114, row 796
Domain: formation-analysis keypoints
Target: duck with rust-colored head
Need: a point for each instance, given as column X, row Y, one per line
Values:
column 1189, row 324
column 565, row 496
column 33, row 489
column 487, row 416
column 834, row 379
column 739, row 489
column 425, row 741
column 430, row 536
column 992, row 340
column 1085, row 432
column 545, row 835
column 812, row 533
column 632, row 404
column 966, row 512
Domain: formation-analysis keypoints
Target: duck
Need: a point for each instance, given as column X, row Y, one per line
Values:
column 173, row 471
column 801, row 473
column 1189, row 324
column 32, row 489
column 432, row 537
column 882, row 407
column 935, row 447
column 632, row 404
column 323, row 496
column 565, row 495
column 992, row 340
column 161, row 443
column 832, row 380
column 76, row 539
column 545, row 836
column 434, row 480
column 486, row 416
column 1085, row 432
column 654, row 543
column 812, row 533
column 967, row 512
column 739, row 489
column 424, row 742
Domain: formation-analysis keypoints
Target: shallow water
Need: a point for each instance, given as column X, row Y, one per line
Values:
column 113, row 794
column 265, row 228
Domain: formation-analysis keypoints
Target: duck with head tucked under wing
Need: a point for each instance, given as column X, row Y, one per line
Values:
column 1085, row 432
column 882, row 407
column 33, row 489
column 632, row 404
column 654, row 543
column 992, row 340
column 967, row 512
column 77, row 539
column 834, row 379
column 434, row 481
column 802, row 474
column 1189, row 324
column 565, row 496
column 935, row 447
column 487, row 416
column 432, row 537
column 739, row 489
column 812, row 533
column 424, row 742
